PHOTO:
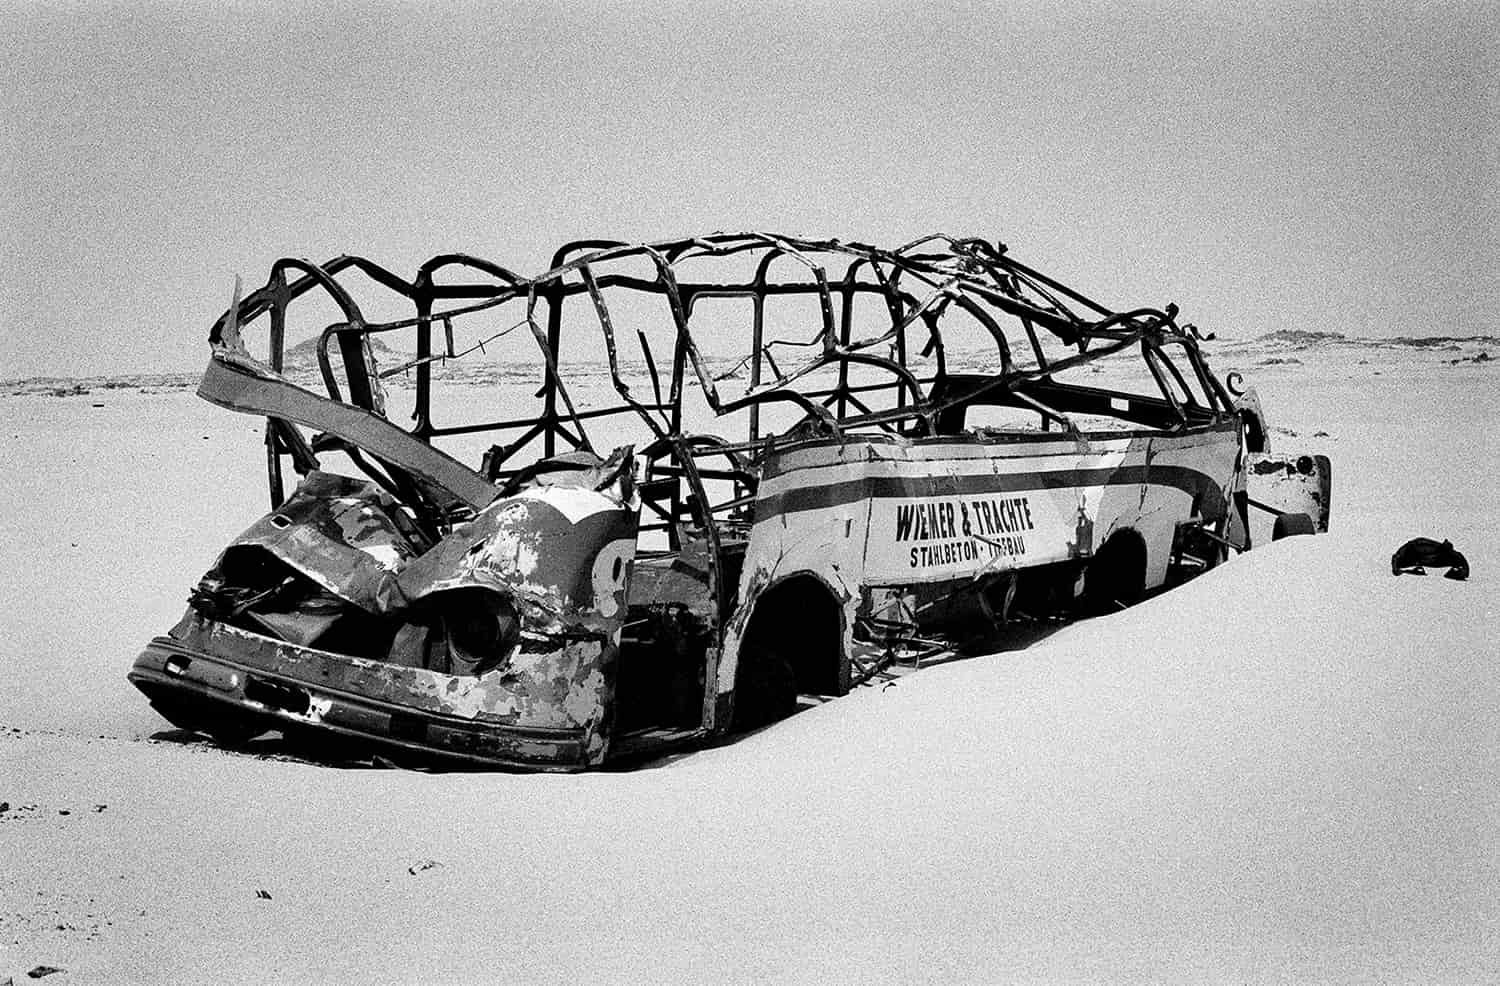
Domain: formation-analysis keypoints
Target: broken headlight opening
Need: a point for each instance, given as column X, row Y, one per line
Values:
column 480, row 628
column 466, row 631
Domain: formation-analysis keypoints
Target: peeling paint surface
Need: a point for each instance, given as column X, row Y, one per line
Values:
column 527, row 547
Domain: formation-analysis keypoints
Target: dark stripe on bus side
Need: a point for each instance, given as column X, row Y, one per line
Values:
column 1066, row 444
column 1190, row 481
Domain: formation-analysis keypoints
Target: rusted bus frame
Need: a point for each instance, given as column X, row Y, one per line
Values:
column 509, row 292
column 723, row 244
column 1158, row 362
column 1123, row 335
column 994, row 258
column 950, row 278
column 1001, row 270
column 1063, row 322
column 1015, row 384
column 680, row 298
column 727, row 243
column 606, row 324
column 1218, row 399
column 556, row 290
column 422, row 292
column 277, row 296
column 680, row 302
column 1154, row 363
column 281, row 437
column 426, row 291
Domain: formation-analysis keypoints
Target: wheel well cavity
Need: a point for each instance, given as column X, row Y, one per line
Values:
column 1117, row 572
column 800, row 619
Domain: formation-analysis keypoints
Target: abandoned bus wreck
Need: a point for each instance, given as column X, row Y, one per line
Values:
column 750, row 467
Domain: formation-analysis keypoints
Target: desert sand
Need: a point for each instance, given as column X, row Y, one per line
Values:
column 1286, row 771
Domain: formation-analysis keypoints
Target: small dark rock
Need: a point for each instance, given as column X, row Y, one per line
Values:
column 64, row 811
column 263, row 894
column 4, row 806
column 42, row 970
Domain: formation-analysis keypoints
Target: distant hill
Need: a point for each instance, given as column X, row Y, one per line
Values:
column 307, row 351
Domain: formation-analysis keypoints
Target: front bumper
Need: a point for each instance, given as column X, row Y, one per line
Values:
column 172, row 671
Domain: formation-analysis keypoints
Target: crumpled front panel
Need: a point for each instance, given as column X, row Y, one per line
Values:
column 339, row 532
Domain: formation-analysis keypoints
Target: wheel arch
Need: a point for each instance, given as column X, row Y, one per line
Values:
column 803, row 616
column 1117, row 571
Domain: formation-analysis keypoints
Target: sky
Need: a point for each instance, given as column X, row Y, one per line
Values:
column 1316, row 166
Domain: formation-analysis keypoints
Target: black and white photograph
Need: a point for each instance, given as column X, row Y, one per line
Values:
column 832, row 493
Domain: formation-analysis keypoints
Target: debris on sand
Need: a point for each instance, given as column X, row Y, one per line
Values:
column 1417, row 555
